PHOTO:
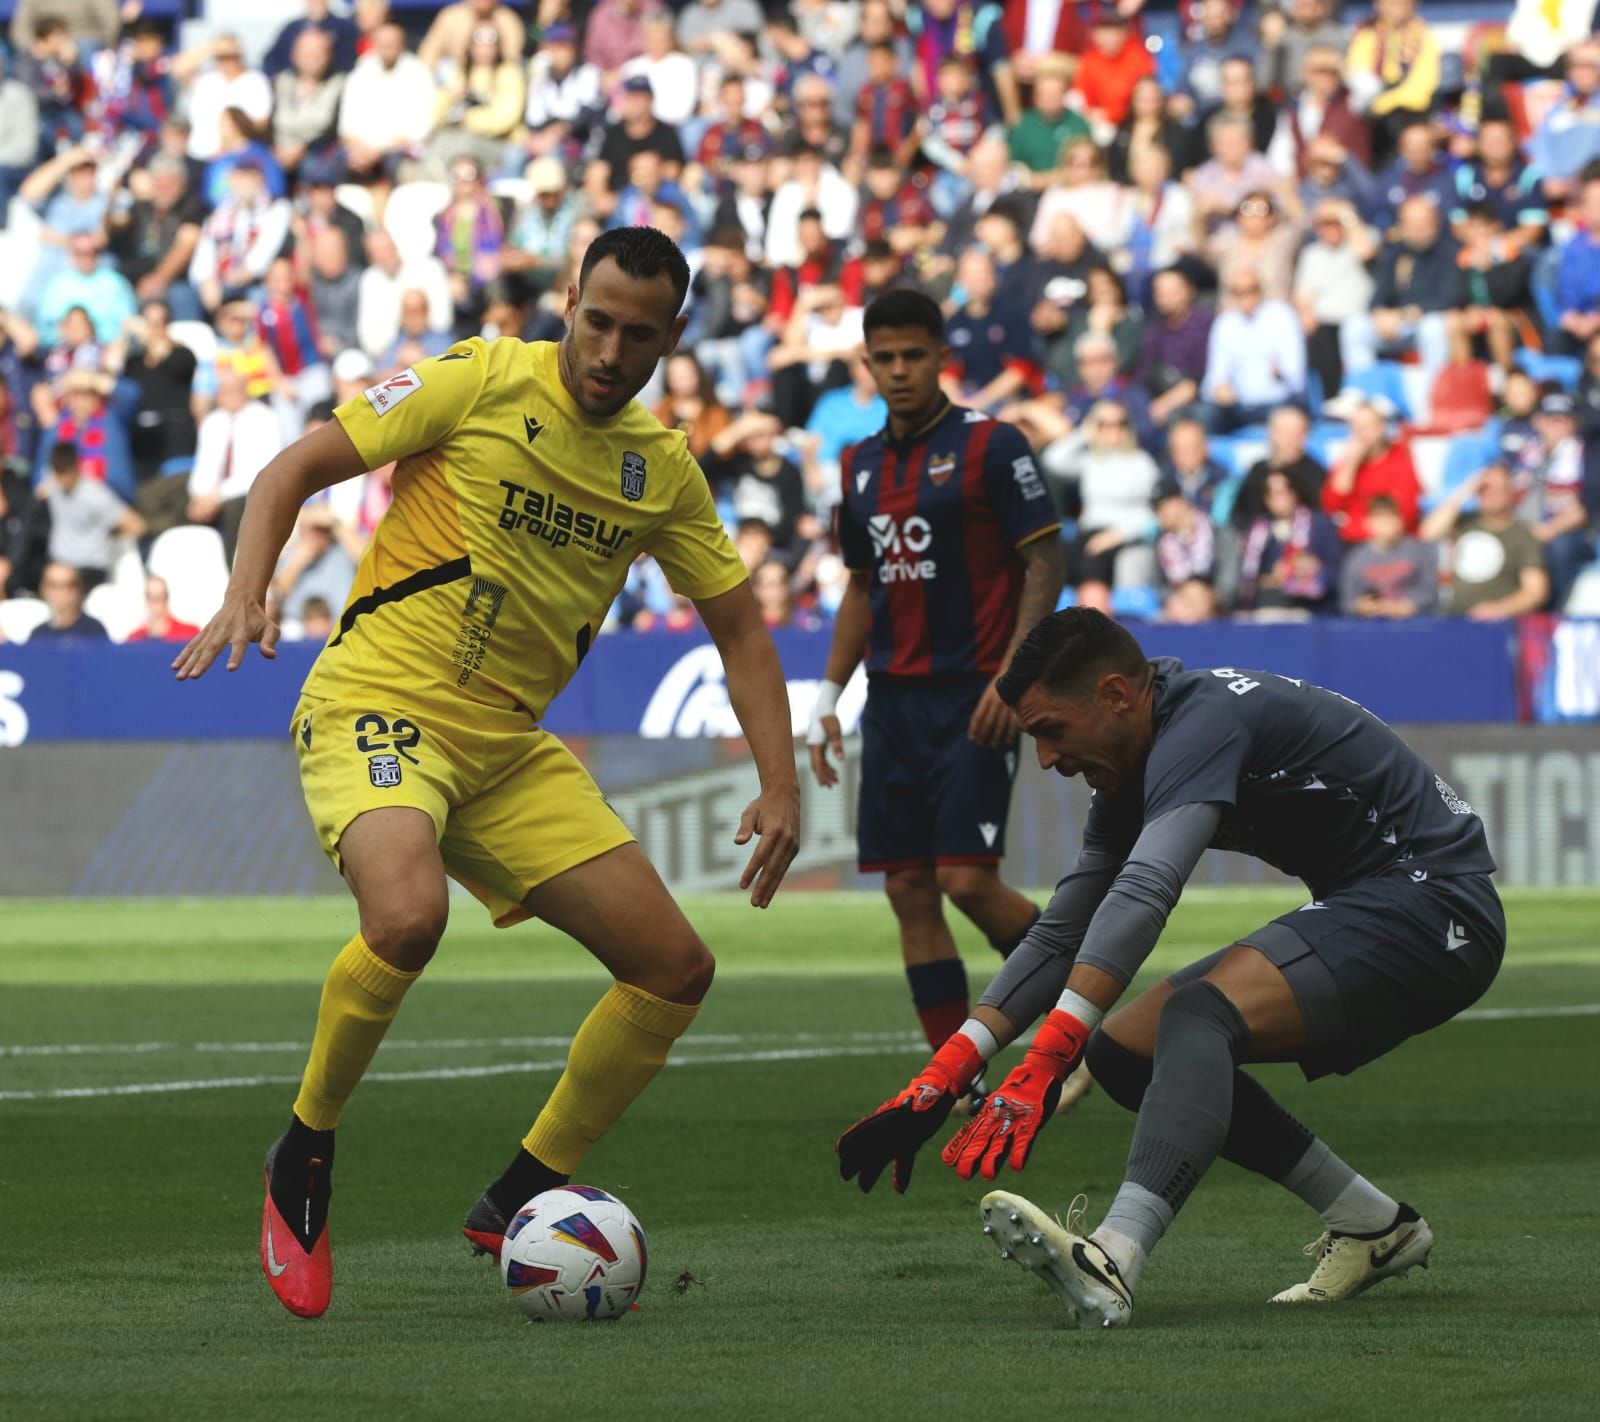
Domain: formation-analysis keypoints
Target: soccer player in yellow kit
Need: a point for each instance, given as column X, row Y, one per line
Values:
column 528, row 479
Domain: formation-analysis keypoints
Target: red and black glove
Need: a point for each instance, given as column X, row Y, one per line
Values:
column 1004, row 1131
column 897, row 1130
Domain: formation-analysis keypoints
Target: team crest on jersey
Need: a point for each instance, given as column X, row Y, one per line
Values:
column 632, row 476
column 941, row 467
column 385, row 395
column 384, row 770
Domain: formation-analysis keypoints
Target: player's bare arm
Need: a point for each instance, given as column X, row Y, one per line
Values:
column 993, row 722
column 844, row 656
column 322, row 458
column 760, row 700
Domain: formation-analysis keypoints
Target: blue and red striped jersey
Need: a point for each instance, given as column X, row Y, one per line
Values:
column 937, row 519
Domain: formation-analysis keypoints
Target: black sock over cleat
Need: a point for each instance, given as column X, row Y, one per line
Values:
column 300, row 1176
column 524, row 1178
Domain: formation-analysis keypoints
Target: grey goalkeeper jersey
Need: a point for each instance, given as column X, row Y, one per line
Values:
column 1299, row 777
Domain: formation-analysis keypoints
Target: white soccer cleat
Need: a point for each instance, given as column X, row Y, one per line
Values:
column 1349, row 1264
column 1077, row 1270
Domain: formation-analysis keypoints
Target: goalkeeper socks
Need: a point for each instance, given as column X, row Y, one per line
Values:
column 524, row 1178
column 1183, row 1119
column 1005, row 946
column 939, row 993
column 359, row 1000
column 623, row 1042
column 1348, row 1203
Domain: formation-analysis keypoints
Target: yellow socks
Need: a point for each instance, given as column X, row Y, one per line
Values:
column 359, row 1000
column 621, row 1045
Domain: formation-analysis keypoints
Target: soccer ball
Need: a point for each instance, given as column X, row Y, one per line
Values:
column 574, row 1253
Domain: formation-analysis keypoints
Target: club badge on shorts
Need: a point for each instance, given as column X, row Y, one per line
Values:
column 384, row 770
column 632, row 476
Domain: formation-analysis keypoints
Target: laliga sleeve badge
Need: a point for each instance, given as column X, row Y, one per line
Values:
column 384, row 770
column 632, row 476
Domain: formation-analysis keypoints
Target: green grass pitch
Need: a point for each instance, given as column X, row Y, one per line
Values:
column 129, row 1285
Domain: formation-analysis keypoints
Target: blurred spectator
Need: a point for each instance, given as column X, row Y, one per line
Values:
column 1390, row 574
column 94, row 23
column 286, row 321
column 1173, row 346
column 1333, row 289
column 152, row 233
column 240, row 240
column 1520, row 448
column 1186, row 545
column 690, row 404
column 1567, row 140
column 19, row 136
column 67, row 195
column 1420, row 170
column 1290, row 35
column 989, row 177
column 86, row 518
column 1495, row 563
column 24, row 528
column 306, row 96
column 383, row 287
column 454, row 31
column 765, row 486
column 1255, row 360
column 1114, row 62
column 732, row 131
column 480, row 102
column 1237, row 99
column 1588, row 396
column 159, row 624
column 984, row 369
column 239, row 349
column 1081, row 189
column 1162, row 230
column 820, row 336
column 1115, row 481
column 894, row 209
column 1502, row 181
column 647, row 185
column 775, row 597
column 1233, row 171
column 316, row 619
column 814, row 187
column 1375, row 461
column 840, row 417
column 317, row 208
column 1220, row 33
column 1333, row 176
column 613, row 35
column 674, row 80
column 102, row 291
column 1259, row 240
column 969, row 30
column 61, row 586
column 634, row 128
column 955, row 122
column 215, row 77
column 236, row 441
column 387, row 110
column 240, row 142
column 318, row 562
column 1419, row 294
column 730, row 296
column 1578, row 276
column 339, row 33
column 47, row 63
column 1321, row 109
column 878, row 25
column 470, row 234
column 1290, row 557
column 1191, row 603
column 564, row 99
column 416, row 339
column 334, row 294
column 1188, row 465
column 886, row 110
column 811, row 121
column 163, row 437
column 1497, row 291
column 94, row 416
column 1392, row 67
column 1146, row 127
column 1287, row 431
column 1040, row 136
column 1103, row 309
column 1560, row 504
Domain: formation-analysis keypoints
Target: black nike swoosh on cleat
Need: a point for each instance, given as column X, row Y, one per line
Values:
column 1080, row 1257
column 1379, row 1260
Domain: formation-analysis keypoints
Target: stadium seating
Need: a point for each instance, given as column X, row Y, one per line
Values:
column 197, row 336
column 191, row 560
column 115, row 610
column 410, row 215
column 19, row 616
column 1461, row 399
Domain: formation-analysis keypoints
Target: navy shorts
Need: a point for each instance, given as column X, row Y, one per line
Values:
column 1381, row 961
column 929, row 795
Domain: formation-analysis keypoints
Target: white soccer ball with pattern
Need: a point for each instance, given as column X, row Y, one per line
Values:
column 575, row 1253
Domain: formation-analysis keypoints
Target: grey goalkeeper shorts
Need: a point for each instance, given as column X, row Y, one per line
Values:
column 1380, row 961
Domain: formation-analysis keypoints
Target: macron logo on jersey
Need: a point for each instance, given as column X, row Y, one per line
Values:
column 892, row 539
column 384, row 396
column 863, row 478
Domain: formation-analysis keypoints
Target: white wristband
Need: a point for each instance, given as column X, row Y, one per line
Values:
column 826, row 704
column 980, row 1037
column 1077, row 1005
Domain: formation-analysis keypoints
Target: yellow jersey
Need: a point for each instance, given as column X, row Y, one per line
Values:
column 514, row 519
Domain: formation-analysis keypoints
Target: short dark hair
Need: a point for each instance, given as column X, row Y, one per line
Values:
column 1382, row 503
column 642, row 253
column 63, row 457
column 1067, row 650
column 901, row 308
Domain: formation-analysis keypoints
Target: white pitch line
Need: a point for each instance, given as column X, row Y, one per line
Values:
column 220, row 1083
column 1503, row 1014
column 85, row 1049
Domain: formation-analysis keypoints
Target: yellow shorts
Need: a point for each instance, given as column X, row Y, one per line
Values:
column 511, row 806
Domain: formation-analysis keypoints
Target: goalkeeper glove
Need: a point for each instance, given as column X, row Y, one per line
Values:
column 1009, row 1123
column 897, row 1130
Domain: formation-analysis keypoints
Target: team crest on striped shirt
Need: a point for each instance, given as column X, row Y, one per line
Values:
column 941, row 467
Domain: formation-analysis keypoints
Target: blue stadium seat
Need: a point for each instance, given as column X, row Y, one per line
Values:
column 1139, row 603
column 1468, row 454
column 1562, row 369
column 1325, row 437
column 1383, row 378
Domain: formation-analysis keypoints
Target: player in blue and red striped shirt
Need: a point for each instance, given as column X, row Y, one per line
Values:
column 951, row 541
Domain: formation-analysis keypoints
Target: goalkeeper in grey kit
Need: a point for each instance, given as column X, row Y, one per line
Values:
column 1404, row 930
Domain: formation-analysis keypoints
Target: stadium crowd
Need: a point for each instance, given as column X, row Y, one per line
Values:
column 1300, row 311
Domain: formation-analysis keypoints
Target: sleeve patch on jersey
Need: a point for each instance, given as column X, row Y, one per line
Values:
column 385, row 395
column 1026, row 474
